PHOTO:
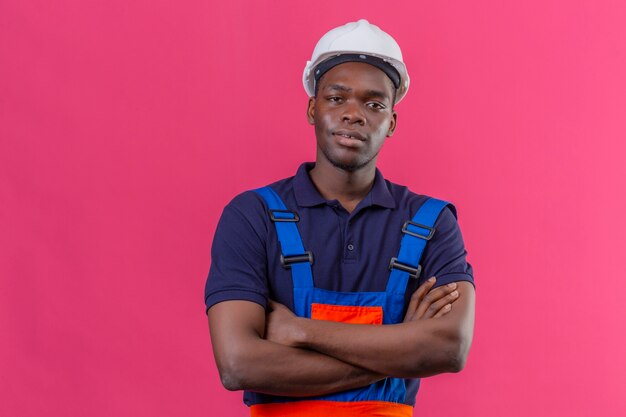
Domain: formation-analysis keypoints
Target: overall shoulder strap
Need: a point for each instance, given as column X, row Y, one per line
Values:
column 416, row 234
column 293, row 255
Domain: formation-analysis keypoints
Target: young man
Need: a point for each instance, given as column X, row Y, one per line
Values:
column 306, row 270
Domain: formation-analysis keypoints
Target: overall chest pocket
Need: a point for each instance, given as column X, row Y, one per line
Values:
column 347, row 314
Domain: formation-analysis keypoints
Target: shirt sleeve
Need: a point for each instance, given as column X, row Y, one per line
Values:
column 445, row 254
column 238, row 256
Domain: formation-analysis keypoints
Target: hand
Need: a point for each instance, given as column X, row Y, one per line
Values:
column 426, row 303
column 281, row 325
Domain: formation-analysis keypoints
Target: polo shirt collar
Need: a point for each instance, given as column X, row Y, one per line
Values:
column 307, row 195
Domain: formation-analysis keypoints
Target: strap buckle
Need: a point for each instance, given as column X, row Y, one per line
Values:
column 279, row 218
column 412, row 271
column 286, row 261
column 405, row 229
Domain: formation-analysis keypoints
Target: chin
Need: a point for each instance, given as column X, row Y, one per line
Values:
column 349, row 166
column 351, row 163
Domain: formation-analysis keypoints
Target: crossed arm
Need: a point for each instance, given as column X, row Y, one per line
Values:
column 282, row 354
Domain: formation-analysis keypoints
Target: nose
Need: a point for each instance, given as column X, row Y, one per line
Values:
column 353, row 114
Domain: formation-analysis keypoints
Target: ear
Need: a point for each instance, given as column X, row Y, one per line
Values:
column 310, row 110
column 392, row 124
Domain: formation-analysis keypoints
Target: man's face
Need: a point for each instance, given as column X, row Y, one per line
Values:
column 352, row 114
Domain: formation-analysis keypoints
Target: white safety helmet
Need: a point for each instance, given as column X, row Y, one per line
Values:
column 363, row 39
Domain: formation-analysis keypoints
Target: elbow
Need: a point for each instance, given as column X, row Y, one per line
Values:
column 230, row 381
column 446, row 354
column 456, row 353
column 456, row 363
column 232, row 370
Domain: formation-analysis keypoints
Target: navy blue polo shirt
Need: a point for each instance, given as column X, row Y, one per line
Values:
column 351, row 250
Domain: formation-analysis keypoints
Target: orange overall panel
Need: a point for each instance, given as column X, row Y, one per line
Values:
column 347, row 314
column 332, row 409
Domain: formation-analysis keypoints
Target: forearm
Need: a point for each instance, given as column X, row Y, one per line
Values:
column 281, row 370
column 405, row 350
column 414, row 349
column 246, row 360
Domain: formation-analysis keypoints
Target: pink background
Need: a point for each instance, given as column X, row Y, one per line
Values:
column 126, row 126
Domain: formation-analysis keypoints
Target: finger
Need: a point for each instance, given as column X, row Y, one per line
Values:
column 432, row 297
column 435, row 307
column 444, row 310
column 417, row 296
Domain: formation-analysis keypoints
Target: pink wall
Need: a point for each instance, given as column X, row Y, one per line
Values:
column 126, row 126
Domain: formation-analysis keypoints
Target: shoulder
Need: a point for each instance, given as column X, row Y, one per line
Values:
column 250, row 207
column 245, row 202
column 250, row 200
column 245, row 207
column 411, row 202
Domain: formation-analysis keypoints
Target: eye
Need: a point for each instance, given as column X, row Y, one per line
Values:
column 376, row 105
column 335, row 99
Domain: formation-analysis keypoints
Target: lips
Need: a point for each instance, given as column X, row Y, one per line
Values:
column 349, row 134
column 349, row 139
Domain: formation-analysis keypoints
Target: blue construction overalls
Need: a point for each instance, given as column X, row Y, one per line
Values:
column 383, row 398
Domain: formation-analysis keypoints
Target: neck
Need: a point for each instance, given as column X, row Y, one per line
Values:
column 347, row 187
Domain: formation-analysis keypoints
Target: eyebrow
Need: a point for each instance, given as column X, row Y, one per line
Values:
column 338, row 87
column 368, row 93
column 376, row 94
